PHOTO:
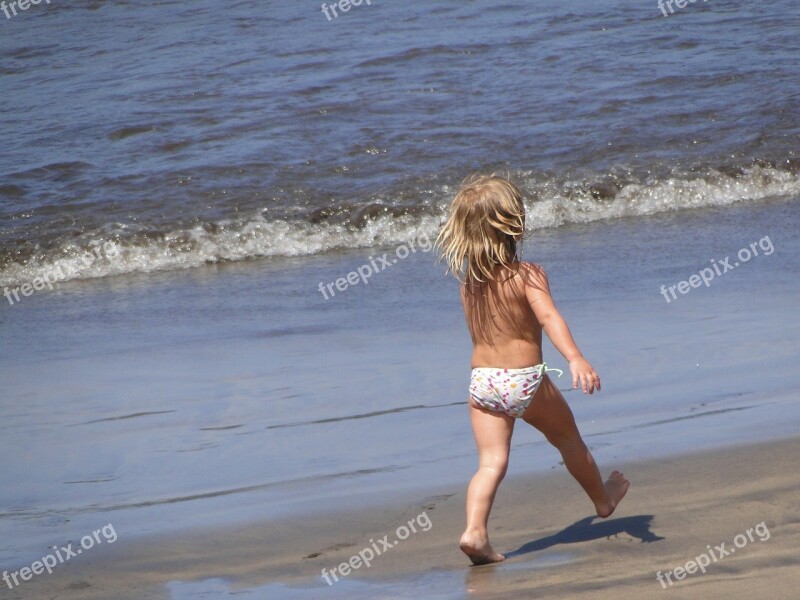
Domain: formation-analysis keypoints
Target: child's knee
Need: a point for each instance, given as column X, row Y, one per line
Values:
column 501, row 470
column 564, row 437
column 502, row 467
column 498, row 466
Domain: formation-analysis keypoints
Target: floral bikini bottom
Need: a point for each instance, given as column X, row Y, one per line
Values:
column 507, row 390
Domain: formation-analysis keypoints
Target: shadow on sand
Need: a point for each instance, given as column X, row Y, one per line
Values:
column 584, row 530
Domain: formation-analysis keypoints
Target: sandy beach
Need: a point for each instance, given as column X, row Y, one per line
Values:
column 231, row 364
column 676, row 510
column 222, row 472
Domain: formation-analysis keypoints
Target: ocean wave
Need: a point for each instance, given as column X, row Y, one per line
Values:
column 118, row 249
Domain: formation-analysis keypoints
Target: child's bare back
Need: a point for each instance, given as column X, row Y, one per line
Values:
column 504, row 329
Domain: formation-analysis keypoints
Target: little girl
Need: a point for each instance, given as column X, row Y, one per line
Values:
column 507, row 304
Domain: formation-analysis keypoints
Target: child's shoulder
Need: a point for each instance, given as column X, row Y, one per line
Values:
column 532, row 271
column 533, row 276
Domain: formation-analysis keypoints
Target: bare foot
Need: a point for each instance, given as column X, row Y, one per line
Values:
column 616, row 488
column 479, row 549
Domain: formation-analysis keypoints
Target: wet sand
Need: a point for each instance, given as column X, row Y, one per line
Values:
column 676, row 508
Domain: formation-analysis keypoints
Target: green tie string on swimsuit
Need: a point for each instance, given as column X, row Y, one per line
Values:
column 543, row 368
column 507, row 390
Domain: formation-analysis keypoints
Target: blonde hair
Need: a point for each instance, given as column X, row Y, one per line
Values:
column 486, row 217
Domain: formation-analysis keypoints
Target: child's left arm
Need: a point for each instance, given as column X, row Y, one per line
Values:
column 537, row 291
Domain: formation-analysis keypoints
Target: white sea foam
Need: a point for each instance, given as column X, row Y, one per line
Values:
column 553, row 205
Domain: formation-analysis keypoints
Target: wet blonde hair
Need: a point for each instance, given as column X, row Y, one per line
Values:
column 486, row 217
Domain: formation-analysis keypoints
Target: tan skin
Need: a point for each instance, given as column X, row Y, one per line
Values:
column 506, row 320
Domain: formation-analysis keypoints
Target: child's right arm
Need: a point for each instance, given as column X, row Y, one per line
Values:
column 537, row 291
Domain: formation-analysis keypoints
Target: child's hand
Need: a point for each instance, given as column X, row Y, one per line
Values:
column 583, row 373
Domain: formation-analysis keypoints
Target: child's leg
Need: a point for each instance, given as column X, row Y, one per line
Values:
column 551, row 415
column 492, row 431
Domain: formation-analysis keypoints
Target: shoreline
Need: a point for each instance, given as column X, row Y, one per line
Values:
column 157, row 446
column 542, row 523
